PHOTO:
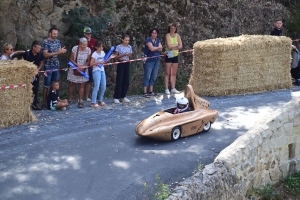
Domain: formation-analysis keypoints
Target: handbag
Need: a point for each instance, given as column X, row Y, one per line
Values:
column 75, row 71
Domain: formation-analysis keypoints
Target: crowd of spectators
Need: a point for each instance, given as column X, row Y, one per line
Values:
column 88, row 57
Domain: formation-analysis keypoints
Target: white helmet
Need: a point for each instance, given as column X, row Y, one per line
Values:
column 182, row 104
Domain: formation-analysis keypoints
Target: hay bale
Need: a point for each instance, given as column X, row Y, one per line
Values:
column 240, row 65
column 15, row 103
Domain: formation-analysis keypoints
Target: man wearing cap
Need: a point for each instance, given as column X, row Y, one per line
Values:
column 87, row 33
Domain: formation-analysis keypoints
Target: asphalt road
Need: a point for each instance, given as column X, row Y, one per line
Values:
column 95, row 154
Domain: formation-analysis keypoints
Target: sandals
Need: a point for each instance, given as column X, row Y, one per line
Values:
column 95, row 105
column 80, row 105
column 69, row 102
column 152, row 93
column 101, row 103
column 146, row 95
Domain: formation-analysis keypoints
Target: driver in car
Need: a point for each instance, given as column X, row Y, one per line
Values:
column 182, row 105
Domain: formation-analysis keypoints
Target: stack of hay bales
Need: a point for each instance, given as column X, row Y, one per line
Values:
column 239, row 65
column 15, row 103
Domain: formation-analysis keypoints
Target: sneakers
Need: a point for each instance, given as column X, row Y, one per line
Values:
column 167, row 91
column 174, row 91
column 116, row 101
column 63, row 108
column 88, row 99
column 125, row 100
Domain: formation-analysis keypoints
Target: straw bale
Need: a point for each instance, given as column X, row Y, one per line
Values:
column 239, row 65
column 15, row 103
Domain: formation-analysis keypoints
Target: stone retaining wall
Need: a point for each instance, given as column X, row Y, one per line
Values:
column 267, row 152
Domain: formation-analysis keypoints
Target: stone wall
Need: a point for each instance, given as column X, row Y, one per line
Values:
column 22, row 21
column 270, row 150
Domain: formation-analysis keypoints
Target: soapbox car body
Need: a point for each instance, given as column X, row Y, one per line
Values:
column 165, row 125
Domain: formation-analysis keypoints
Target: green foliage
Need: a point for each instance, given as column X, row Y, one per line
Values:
column 162, row 190
column 77, row 19
column 292, row 184
column 267, row 192
column 288, row 188
column 20, row 46
column 293, row 22
column 111, row 6
column 200, row 166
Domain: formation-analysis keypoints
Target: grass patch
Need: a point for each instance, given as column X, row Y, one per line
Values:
column 288, row 188
column 161, row 191
column 200, row 165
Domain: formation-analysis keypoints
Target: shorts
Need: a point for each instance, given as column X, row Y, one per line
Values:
column 91, row 80
column 51, row 76
column 53, row 107
column 171, row 60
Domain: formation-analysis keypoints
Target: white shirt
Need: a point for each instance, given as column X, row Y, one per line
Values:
column 3, row 57
column 98, row 57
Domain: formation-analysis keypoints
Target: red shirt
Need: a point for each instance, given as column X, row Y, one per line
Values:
column 91, row 44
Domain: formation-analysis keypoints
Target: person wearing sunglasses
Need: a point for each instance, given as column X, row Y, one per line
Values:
column 8, row 52
column 36, row 56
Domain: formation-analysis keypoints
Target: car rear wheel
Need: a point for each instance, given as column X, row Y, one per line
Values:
column 207, row 126
column 176, row 132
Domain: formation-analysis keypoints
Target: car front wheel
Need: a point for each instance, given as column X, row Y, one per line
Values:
column 176, row 132
column 207, row 126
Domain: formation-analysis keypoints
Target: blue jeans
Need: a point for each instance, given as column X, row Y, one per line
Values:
column 51, row 76
column 99, row 82
column 150, row 73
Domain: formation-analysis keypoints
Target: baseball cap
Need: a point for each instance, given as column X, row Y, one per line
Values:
column 87, row 30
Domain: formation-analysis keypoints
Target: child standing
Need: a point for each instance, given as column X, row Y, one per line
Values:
column 123, row 52
column 98, row 75
column 53, row 101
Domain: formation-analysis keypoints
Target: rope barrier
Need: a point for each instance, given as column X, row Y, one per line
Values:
column 113, row 63
column 12, row 86
column 66, row 69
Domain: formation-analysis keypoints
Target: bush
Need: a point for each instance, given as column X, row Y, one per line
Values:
column 77, row 19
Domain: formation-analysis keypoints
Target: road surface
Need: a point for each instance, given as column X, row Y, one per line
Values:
column 85, row 154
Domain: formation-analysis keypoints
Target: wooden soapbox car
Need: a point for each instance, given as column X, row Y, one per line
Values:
column 165, row 125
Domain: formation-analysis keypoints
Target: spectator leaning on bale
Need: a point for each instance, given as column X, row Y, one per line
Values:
column 51, row 50
column 8, row 52
column 36, row 56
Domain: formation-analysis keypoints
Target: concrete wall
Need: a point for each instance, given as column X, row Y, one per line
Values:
column 267, row 152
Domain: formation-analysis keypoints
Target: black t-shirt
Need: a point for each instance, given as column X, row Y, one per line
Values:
column 52, row 98
column 36, row 59
column 277, row 32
